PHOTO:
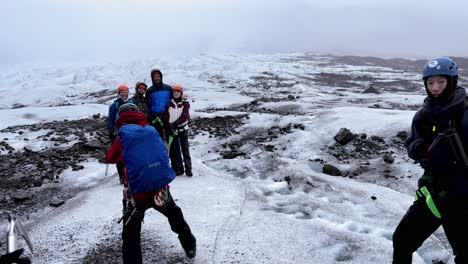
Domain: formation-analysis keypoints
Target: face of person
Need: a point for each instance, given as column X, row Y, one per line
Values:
column 436, row 85
column 176, row 94
column 156, row 78
column 123, row 95
column 141, row 89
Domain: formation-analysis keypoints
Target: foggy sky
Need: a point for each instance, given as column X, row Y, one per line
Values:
column 55, row 30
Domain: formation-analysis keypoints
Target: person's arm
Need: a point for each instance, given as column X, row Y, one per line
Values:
column 148, row 99
column 416, row 143
column 111, row 119
column 167, row 125
column 115, row 152
column 185, row 116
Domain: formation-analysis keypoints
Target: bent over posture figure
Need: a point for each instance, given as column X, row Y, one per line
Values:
column 438, row 140
column 148, row 174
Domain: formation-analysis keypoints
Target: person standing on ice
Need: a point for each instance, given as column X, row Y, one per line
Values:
column 176, row 118
column 139, row 97
column 148, row 174
column 123, row 98
column 158, row 97
column 438, row 140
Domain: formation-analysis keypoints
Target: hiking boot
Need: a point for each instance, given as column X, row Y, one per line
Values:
column 189, row 173
column 179, row 173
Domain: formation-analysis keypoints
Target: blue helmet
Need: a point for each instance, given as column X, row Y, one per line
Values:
column 440, row 66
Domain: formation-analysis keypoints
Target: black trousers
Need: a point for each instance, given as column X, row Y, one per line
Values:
column 180, row 153
column 419, row 223
column 131, row 247
column 121, row 171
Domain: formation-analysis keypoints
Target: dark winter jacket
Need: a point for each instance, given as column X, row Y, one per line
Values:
column 427, row 144
column 177, row 115
column 115, row 152
column 113, row 114
column 140, row 99
column 158, row 96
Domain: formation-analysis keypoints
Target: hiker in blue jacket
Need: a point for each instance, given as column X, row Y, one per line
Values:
column 123, row 98
column 148, row 174
column 438, row 140
column 158, row 97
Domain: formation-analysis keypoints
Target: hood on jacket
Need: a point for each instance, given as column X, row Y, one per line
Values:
column 446, row 109
column 136, row 88
column 136, row 118
column 153, row 71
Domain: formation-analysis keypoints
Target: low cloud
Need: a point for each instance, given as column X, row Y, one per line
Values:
column 91, row 30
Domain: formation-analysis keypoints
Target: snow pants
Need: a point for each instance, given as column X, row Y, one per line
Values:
column 131, row 247
column 180, row 154
column 419, row 223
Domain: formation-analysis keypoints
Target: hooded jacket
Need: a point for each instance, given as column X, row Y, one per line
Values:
column 435, row 155
column 113, row 114
column 158, row 95
column 140, row 100
column 177, row 114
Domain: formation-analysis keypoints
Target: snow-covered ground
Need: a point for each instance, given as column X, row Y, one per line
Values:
column 257, row 217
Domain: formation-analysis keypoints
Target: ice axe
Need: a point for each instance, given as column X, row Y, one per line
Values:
column 107, row 169
column 15, row 229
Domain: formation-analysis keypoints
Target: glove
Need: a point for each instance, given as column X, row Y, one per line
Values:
column 425, row 180
column 102, row 160
column 419, row 149
column 126, row 195
column 169, row 131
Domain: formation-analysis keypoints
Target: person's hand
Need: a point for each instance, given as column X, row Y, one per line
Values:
column 419, row 149
column 425, row 181
column 126, row 194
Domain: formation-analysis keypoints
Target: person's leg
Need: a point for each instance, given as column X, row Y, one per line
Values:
column 455, row 223
column 179, row 225
column 414, row 228
column 185, row 146
column 176, row 157
column 131, row 247
column 121, row 171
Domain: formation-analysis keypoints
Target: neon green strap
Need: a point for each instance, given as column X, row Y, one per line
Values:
column 171, row 137
column 169, row 142
column 158, row 120
column 429, row 201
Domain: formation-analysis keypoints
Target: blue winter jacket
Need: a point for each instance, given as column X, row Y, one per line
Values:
column 158, row 96
column 113, row 115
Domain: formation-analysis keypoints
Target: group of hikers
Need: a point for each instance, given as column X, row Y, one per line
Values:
column 145, row 131
column 144, row 126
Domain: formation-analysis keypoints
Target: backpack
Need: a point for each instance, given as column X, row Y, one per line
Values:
column 146, row 158
column 443, row 161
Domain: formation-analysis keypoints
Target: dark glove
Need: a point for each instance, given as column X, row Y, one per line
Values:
column 419, row 149
column 174, row 126
column 14, row 257
column 169, row 131
column 425, row 180
column 102, row 160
